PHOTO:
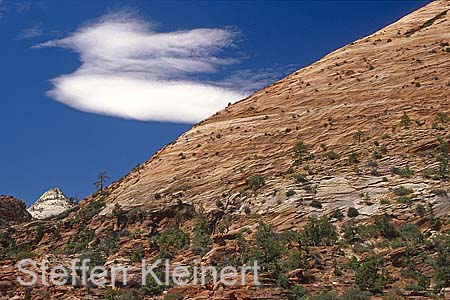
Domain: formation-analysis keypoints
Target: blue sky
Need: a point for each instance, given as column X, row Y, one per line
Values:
column 76, row 75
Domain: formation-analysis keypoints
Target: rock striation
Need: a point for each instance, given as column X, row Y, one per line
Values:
column 365, row 86
column 51, row 203
column 346, row 161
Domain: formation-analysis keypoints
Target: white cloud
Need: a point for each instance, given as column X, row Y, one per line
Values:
column 141, row 99
column 131, row 71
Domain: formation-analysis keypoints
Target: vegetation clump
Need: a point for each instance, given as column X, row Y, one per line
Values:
column 405, row 121
column 316, row 203
column 301, row 153
column 402, row 172
column 290, row 193
column 352, row 212
column 371, row 276
column 331, row 155
column 255, row 182
column 201, row 241
column 402, row 191
column 359, row 136
column 171, row 241
column 320, row 232
column 353, row 158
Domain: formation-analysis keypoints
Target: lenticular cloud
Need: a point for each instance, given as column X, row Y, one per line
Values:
column 130, row 71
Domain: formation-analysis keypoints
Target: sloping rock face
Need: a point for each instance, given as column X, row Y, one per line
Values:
column 51, row 203
column 12, row 211
column 359, row 140
column 366, row 86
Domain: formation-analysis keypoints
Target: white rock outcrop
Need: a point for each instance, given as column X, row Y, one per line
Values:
column 51, row 203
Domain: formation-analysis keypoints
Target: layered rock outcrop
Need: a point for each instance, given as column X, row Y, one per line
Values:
column 365, row 86
column 359, row 139
column 12, row 211
column 51, row 203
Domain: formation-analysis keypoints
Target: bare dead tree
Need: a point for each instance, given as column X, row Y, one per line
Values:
column 100, row 183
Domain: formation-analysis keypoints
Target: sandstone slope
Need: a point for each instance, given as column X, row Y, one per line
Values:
column 367, row 86
column 360, row 137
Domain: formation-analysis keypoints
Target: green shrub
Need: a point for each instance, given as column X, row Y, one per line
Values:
column 220, row 204
column 374, row 172
column 320, row 232
column 295, row 260
column 107, row 243
column 171, row 241
column 371, row 276
column 411, row 232
column 366, row 232
column 297, row 292
column 337, row 214
column 403, row 172
column 442, row 263
column 355, row 294
column 420, row 210
column 349, row 232
column 360, row 248
column 443, row 170
column 267, row 248
column 24, row 254
column 384, row 227
column 95, row 258
column 402, row 191
column 359, row 136
column 39, row 233
column 393, row 294
column 255, row 182
column 353, row 158
column 201, row 241
column 117, row 211
column 331, row 155
column 176, row 296
column 442, row 117
column 385, row 201
column 372, row 164
column 224, row 225
column 316, row 203
column 137, row 254
column 110, row 294
column 352, row 212
column 131, row 294
column 151, row 287
column 404, row 200
column 405, row 121
column 300, row 178
column 135, row 214
column 301, row 153
column 290, row 193
column 377, row 155
column 80, row 241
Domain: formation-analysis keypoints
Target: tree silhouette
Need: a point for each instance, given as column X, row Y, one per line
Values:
column 100, row 183
column 358, row 136
column 405, row 121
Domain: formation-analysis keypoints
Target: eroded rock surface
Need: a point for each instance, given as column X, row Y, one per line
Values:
column 373, row 118
column 51, row 203
column 12, row 211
